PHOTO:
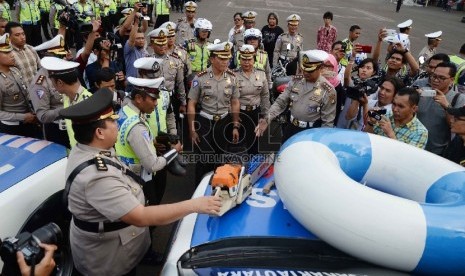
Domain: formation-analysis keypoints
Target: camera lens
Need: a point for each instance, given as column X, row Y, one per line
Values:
column 50, row 234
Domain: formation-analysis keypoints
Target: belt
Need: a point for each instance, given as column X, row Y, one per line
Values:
column 213, row 117
column 10, row 123
column 249, row 107
column 94, row 226
column 301, row 124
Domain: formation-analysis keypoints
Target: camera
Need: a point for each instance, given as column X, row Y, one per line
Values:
column 28, row 244
column 360, row 88
column 143, row 4
column 377, row 114
column 115, row 41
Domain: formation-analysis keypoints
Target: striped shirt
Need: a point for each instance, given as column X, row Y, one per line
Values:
column 413, row 132
column 27, row 61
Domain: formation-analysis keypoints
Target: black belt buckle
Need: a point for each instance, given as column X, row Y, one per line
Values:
column 216, row 118
column 295, row 122
column 249, row 108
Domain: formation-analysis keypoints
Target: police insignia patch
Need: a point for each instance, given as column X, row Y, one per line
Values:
column 195, row 83
column 146, row 135
column 40, row 93
column 332, row 98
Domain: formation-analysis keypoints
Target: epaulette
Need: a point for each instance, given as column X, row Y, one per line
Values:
column 180, row 20
column 230, row 72
column 326, row 86
column 283, row 34
column 40, row 79
column 297, row 77
column 201, row 73
column 100, row 163
column 236, row 69
column 300, row 35
column 175, row 55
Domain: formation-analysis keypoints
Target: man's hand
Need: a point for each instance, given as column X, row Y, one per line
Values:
column 120, row 76
column 96, row 25
column 382, row 34
column 195, row 138
column 30, row 118
column 385, row 125
column 182, row 109
column 177, row 147
column 137, row 6
column 46, row 265
column 161, row 148
column 235, row 135
column 261, row 127
column 206, row 205
column 440, row 98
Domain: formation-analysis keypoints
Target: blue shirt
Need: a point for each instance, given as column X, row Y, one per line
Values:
column 130, row 55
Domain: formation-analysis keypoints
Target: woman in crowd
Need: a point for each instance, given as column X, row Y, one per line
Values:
column 270, row 34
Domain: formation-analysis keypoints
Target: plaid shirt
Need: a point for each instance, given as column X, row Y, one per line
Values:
column 413, row 132
column 325, row 38
column 27, row 61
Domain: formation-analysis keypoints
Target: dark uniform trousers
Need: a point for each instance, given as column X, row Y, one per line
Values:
column 247, row 137
column 215, row 141
column 54, row 134
column 290, row 129
column 27, row 130
column 44, row 22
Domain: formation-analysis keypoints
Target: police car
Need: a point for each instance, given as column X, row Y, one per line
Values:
column 257, row 237
column 32, row 179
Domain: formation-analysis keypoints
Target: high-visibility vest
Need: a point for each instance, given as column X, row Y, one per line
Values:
column 66, row 103
column 58, row 9
column 198, row 55
column 162, row 7
column 460, row 63
column 44, row 5
column 128, row 118
column 84, row 9
column 5, row 12
column 28, row 13
column 260, row 60
column 157, row 119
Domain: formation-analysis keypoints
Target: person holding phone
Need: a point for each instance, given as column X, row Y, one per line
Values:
column 401, row 124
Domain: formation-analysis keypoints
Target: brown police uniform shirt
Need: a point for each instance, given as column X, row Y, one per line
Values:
column 172, row 69
column 13, row 97
column 307, row 101
column 238, row 39
column 280, row 48
column 214, row 95
column 104, row 196
column 253, row 90
column 181, row 52
column 184, row 31
column 45, row 98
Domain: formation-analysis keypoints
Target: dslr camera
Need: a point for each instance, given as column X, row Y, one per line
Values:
column 377, row 114
column 360, row 88
column 28, row 244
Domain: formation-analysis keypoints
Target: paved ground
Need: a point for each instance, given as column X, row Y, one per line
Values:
column 370, row 15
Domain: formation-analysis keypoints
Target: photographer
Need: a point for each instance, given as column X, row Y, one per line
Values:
column 357, row 90
column 401, row 124
column 102, row 48
column 44, row 268
column 134, row 47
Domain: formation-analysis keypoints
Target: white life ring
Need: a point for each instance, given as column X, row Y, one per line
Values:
column 408, row 214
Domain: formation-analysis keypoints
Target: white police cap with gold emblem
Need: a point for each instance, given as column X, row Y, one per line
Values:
column 293, row 19
column 57, row 66
column 5, row 45
column 247, row 51
column 405, row 24
column 149, row 86
column 56, row 46
column 170, row 26
column 435, row 35
column 148, row 63
column 249, row 16
column 190, row 6
column 312, row 59
column 158, row 36
column 222, row 50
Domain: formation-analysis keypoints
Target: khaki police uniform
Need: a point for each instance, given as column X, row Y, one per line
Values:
column 296, row 42
column 172, row 69
column 184, row 31
column 311, row 105
column 254, row 97
column 238, row 39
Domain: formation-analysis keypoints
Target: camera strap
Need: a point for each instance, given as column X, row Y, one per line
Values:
column 95, row 162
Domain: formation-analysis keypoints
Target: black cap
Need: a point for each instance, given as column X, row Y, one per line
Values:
column 457, row 112
column 98, row 107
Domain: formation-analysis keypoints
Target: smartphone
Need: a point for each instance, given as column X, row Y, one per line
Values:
column 366, row 48
column 428, row 93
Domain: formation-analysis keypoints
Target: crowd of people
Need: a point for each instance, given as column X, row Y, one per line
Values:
column 124, row 102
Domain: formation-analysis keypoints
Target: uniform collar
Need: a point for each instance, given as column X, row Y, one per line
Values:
column 97, row 151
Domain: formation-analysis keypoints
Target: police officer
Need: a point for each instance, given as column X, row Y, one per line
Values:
column 214, row 90
column 254, row 96
column 197, row 48
column 249, row 22
column 85, row 10
column 253, row 37
column 28, row 14
column 185, row 27
column 44, row 8
column 55, row 10
column 45, row 98
column 16, row 114
column 162, row 12
column 64, row 77
column 292, row 38
column 172, row 68
column 177, row 49
column 434, row 39
column 5, row 12
column 108, row 232
column 309, row 97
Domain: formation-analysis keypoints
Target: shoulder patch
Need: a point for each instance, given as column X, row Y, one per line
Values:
column 40, row 79
column 201, row 73
column 195, row 83
column 40, row 93
column 230, row 72
column 297, row 77
column 100, row 163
